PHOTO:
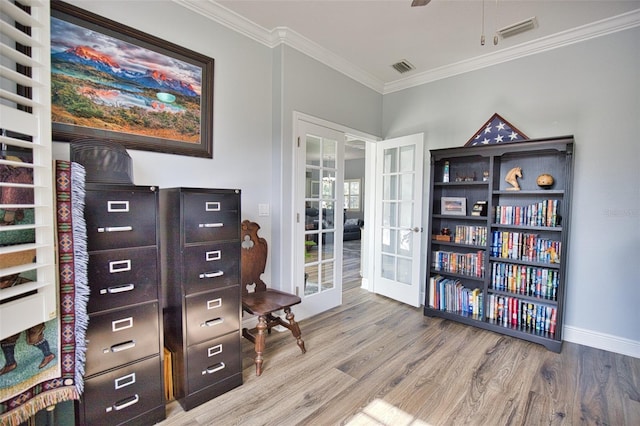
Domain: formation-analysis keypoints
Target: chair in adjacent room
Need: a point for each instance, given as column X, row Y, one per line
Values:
column 258, row 299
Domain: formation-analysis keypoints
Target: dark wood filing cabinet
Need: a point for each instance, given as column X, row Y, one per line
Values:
column 200, row 240
column 123, row 372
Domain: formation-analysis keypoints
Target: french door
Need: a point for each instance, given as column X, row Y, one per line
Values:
column 319, row 217
column 398, row 219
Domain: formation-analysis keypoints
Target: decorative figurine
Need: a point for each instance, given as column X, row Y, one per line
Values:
column 545, row 181
column 553, row 255
column 511, row 178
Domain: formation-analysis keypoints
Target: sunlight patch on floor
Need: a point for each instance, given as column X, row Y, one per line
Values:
column 379, row 412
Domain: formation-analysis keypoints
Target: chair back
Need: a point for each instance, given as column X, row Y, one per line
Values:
column 253, row 258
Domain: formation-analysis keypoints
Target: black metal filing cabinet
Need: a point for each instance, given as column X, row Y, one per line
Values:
column 200, row 240
column 123, row 371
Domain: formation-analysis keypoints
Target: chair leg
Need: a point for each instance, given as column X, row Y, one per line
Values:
column 295, row 329
column 259, row 343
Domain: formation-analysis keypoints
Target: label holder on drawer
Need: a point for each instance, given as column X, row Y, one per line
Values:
column 116, row 266
column 213, row 255
column 124, row 381
column 214, row 350
column 117, row 206
column 121, row 324
column 212, row 206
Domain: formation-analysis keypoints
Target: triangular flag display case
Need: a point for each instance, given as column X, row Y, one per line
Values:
column 496, row 130
column 498, row 252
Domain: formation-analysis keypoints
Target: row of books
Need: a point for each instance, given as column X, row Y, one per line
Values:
column 525, row 280
column 448, row 294
column 470, row 264
column 524, row 246
column 522, row 314
column 543, row 213
column 473, row 235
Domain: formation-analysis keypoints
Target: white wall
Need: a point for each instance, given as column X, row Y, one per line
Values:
column 315, row 89
column 242, row 104
column 591, row 90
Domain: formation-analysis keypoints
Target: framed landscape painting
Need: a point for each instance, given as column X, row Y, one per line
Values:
column 112, row 82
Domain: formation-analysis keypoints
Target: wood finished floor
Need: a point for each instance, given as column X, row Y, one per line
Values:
column 374, row 361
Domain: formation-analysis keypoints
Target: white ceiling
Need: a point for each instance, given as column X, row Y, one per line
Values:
column 363, row 38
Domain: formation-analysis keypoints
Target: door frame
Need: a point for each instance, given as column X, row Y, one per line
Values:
column 370, row 141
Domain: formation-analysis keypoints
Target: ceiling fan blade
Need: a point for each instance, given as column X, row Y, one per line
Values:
column 419, row 3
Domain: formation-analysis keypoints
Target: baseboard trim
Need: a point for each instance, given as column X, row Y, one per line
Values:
column 365, row 284
column 603, row 341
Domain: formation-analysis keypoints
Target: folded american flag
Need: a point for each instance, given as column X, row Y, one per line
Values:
column 496, row 130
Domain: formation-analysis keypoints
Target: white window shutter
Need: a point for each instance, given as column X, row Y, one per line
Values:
column 25, row 150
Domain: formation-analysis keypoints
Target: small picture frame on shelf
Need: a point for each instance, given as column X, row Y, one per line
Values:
column 454, row 206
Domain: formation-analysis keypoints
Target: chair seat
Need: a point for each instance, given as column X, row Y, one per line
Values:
column 265, row 302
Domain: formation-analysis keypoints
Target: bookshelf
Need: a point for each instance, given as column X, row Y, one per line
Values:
column 497, row 255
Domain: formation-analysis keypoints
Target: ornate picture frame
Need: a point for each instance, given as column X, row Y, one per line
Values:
column 113, row 82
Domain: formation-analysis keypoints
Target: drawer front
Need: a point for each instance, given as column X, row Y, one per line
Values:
column 123, row 394
column 212, row 361
column 122, row 277
column 120, row 218
column 212, row 266
column 211, row 217
column 212, row 314
column 122, row 336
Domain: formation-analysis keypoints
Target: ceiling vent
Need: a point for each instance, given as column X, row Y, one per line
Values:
column 403, row 66
column 518, row 27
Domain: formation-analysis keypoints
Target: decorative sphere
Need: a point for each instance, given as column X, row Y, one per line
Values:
column 544, row 180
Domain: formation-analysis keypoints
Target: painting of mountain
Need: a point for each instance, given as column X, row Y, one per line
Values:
column 101, row 82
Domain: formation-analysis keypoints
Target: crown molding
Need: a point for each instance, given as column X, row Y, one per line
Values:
column 288, row 37
column 600, row 28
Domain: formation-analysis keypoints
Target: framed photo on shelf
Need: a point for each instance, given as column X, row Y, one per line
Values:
column 453, row 206
column 113, row 82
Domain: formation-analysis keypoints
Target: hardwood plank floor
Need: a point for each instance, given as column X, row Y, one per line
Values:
column 374, row 361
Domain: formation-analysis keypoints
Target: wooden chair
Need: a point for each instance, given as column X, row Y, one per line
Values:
column 257, row 298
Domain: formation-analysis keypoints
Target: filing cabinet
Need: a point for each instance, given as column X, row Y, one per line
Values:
column 123, row 371
column 200, row 241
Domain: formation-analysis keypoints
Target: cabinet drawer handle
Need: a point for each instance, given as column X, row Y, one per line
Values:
column 117, row 289
column 127, row 402
column 212, row 206
column 116, row 229
column 214, row 368
column 211, row 225
column 212, row 274
column 122, row 346
column 212, row 322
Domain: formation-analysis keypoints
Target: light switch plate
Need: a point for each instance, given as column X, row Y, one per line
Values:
column 263, row 209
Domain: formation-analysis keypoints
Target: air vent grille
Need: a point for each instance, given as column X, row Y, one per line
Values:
column 518, row 27
column 403, row 66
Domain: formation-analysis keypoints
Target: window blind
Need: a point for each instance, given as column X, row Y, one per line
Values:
column 28, row 284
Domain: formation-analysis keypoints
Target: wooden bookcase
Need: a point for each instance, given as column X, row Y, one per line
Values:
column 504, row 271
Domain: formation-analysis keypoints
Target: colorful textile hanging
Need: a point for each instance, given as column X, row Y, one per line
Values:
column 46, row 366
